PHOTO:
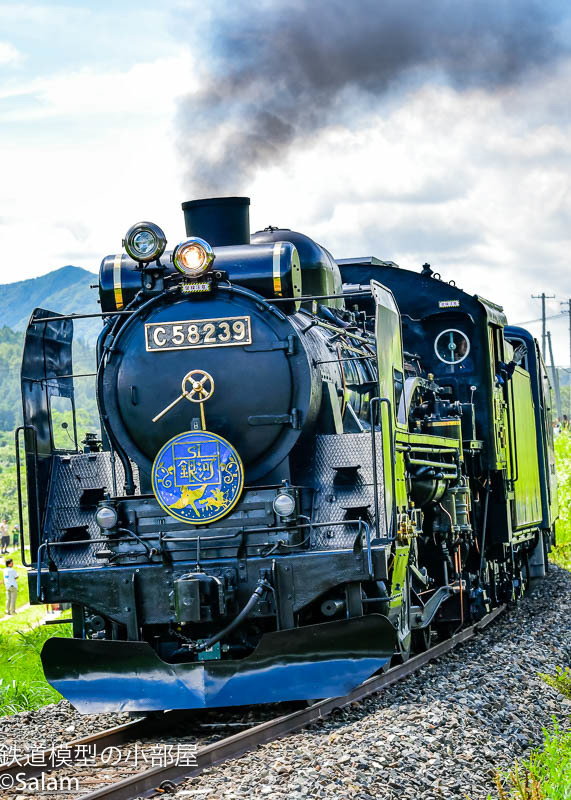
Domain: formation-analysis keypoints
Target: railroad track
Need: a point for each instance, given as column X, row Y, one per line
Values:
column 164, row 779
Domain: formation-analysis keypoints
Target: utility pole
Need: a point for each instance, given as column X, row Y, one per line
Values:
column 543, row 297
column 555, row 377
column 568, row 311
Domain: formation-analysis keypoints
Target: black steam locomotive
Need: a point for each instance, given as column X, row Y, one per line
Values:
column 306, row 467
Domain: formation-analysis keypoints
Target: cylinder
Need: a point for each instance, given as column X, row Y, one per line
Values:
column 449, row 427
column 220, row 221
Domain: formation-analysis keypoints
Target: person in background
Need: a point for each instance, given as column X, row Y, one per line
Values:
column 15, row 536
column 4, row 536
column 565, row 423
column 11, row 584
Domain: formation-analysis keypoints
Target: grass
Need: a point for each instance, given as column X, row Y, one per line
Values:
column 546, row 775
column 22, row 683
column 560, row 681
column 561, row 554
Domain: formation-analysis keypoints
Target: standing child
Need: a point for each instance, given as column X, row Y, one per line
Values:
column 11, row 584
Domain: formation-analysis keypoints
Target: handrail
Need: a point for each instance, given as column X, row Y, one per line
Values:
column 378, row 401
column 190, row 539
column 19, row 486
column 511, row 421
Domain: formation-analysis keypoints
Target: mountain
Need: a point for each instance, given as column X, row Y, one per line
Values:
column 65, row 291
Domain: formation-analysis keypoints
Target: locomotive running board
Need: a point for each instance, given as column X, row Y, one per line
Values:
column 308, row 663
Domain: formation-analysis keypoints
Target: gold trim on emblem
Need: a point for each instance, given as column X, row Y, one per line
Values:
column 200, row 390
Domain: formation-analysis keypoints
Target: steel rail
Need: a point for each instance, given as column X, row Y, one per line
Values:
column 165, row 778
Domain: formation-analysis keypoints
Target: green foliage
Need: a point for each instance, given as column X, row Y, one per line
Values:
column 8, row 492
column 87, row 418
column 560, row 681
column 551, row 767
column 518, row 785
column 561, row 554
column 546, row 775
column 10, row 363
column 22, row 683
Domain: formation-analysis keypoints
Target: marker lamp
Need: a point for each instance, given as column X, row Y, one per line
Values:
column 106, row 517
column 145, row 242
column 193, row 257
column 284, row 504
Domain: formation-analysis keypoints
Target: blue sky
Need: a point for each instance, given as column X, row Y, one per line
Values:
column 474, row 180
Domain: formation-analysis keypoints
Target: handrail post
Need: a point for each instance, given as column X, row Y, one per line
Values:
column 19, row 429
column 378, row 401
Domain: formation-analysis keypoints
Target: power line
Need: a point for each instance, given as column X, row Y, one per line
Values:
column 554, row 377
column 539, row 319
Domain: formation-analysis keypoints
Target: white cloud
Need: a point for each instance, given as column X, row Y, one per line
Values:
column 147, row 89
column 465, row 181
column 9, row 54
column 96, row 157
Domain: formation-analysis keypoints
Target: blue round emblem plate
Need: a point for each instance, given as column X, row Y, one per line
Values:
column 197, row 477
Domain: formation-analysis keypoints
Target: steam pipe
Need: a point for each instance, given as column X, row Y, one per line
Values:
column 260, row 589
column 485, row 525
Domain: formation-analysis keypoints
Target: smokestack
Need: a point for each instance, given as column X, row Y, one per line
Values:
column 219, row 220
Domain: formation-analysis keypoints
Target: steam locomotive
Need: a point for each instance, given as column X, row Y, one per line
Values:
column 306, row 468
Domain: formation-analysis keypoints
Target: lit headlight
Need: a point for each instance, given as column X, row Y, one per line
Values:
column 193, row 257
column 106, row 517
column 284, row 504
column 145, row 242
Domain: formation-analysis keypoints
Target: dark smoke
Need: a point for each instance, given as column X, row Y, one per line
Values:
column 281, row 71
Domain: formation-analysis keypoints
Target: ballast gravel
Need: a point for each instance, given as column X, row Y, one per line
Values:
column 51, row 726
column 441, row 733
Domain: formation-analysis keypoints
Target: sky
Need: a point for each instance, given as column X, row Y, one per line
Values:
column 426, row 131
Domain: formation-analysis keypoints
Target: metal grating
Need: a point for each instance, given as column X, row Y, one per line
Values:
column 341, row 497
column 65, row 519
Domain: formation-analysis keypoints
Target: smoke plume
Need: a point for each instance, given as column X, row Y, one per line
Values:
column 279, row 72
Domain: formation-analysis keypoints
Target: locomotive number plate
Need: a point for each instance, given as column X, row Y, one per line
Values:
column 184, row 335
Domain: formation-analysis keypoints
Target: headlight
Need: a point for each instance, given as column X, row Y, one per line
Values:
column 284, row 504
column 193, row 257
column 145, row 242
column 106, row 517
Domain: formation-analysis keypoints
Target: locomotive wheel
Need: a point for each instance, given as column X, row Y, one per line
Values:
column 421, row 639
column 544, row 539
column 523, row 577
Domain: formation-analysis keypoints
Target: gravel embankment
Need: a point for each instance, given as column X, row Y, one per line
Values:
column 441, row 733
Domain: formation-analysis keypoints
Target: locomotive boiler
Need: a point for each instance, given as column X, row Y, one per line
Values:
column 305, row 468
